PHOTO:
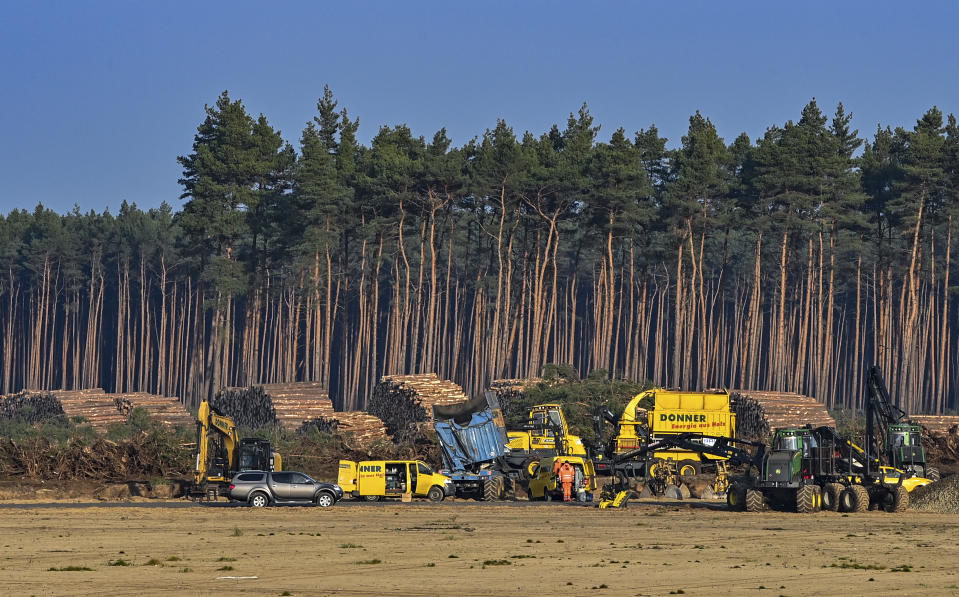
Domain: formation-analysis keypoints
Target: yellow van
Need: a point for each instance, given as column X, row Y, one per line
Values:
column 376, row 479
column 545, row 484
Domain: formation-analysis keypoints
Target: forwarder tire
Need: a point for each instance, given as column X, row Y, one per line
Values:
column 855, row 498
column 736, row 497
column 755, row 502
column 932, row 473
column 806, row 499
column 830, row 496
column 492, row 489
column 897, row 500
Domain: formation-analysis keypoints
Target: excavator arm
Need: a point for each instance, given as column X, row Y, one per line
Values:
column 209, row 422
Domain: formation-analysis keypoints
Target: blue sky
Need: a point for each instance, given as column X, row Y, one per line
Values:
column 98, row 98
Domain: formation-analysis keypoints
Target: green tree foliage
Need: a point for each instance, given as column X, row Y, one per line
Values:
column 788, row 262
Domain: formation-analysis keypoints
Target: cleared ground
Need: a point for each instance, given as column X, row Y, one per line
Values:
column 411, row 549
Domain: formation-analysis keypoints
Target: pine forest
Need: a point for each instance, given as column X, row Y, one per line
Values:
column 791, row 262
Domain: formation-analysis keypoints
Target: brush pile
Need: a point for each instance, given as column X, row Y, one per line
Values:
column 401, row 401
column 759, row 413
column 141, row 457
column 30, row 407
column 942, row 447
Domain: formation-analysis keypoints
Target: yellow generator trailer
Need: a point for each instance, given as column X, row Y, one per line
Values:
column 545, row 434
column 675, row 413
column 545, row 484
column 373, row 480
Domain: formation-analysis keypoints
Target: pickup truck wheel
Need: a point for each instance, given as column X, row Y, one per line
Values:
column 435, row 494
column 259, row 500
column 325, row 500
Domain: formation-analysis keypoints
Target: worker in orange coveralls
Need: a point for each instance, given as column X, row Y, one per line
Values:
column 567, row 474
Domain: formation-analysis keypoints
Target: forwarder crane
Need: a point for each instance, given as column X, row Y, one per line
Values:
column 890, row 436
column 220, row 453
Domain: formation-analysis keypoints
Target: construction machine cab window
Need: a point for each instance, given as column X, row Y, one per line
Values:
column 796, row 443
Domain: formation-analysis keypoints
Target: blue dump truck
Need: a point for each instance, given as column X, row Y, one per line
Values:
column 474, row 444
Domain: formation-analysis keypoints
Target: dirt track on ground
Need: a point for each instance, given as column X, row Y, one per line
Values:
column 409, row 549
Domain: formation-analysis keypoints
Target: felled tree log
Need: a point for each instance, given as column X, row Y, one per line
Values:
column 509, row 392
column 163, row 409
column 249, row 407
column 31, row 407
column 93, row 404
column 358, row 428
column 296, row 403
column 400, row 401
column 759, row 413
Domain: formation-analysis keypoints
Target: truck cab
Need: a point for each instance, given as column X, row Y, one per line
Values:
column 373, row 480
column 545, row 433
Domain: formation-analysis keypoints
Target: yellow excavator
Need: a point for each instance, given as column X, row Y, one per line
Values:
column 220, row 453
column 545, row 434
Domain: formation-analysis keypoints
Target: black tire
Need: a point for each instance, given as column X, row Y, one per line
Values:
column 806, row 499
column 854, row 498
column 509, row 489
column 689, row 468
column 547, row 496
column 932, row 473
column 372, row 498
column 259, row 500
column 435, row 494
column 736, row 497
column 897, row 500
column 755, row 502
column 325, row 499
column 529, row 495
column 830, row 496
column 492, row 489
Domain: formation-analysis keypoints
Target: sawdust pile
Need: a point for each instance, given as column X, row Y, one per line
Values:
column 941, row 497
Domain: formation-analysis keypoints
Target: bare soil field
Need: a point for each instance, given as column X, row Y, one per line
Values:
column 450, row 549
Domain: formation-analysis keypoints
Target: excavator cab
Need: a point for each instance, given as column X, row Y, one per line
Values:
column 255, row 454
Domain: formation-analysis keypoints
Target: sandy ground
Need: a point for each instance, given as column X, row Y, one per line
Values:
column 417, row 549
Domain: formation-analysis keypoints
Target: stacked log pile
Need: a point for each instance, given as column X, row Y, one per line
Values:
column 296, row 403
column 509, row 391
column 759, row 413
column 400, row 401
column 93, row 404
column 166, row 410
column 250, row 407
column 941, row 424
column 30, row 407
column 364, row 428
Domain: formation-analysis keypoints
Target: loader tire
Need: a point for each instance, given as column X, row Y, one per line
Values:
column 755, row 502
column 492, row 489
column 830, row 496
column 932, row 473
column 855, row 498
column 689, row 468
column 736, row 497
column 806, row 499
column 897, row 499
